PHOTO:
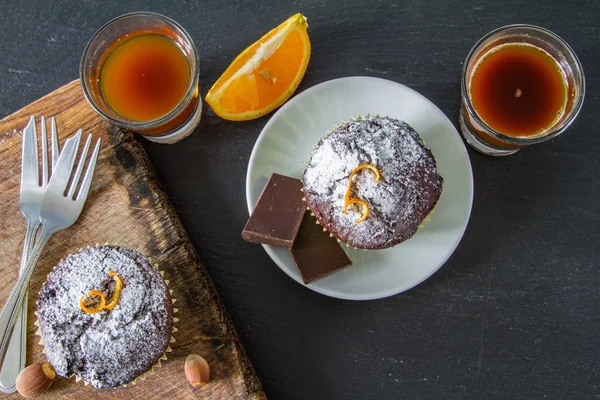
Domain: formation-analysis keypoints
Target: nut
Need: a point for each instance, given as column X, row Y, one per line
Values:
column 35, row 379
column 197, row 371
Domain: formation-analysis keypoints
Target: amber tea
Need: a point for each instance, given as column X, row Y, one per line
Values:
column 518, row 90
column 140, row 72
column 520, row 85
column 144, row 77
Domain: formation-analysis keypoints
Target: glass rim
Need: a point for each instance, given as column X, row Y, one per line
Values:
column 513, row 139
column 131, row 124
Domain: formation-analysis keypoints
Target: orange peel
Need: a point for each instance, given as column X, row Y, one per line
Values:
column 96, row 309
column 367, row 166
column 348, row 200
column 117, row 293
column 362, row 203
column 103, row 305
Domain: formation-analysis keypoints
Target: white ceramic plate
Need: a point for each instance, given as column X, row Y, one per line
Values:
column 283, row 147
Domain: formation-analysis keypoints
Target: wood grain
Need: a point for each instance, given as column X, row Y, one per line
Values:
column 126, row 207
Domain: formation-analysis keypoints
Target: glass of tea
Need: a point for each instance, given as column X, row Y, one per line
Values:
column 140, row 71
column 521, row 84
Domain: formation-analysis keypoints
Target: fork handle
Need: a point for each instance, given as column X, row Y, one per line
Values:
column 16, row 352
column 8, row 314
column 14, row 360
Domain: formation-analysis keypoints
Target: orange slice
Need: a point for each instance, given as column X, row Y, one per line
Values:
column 264, row 75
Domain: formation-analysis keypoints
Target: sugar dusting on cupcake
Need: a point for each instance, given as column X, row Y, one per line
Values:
column 397, row 203
column 113, row 344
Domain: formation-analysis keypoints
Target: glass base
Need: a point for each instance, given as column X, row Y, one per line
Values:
column 479, row 145
column 181, row 132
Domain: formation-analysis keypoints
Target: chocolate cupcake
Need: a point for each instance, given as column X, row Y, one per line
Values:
column 371, row 182
column 105, row 315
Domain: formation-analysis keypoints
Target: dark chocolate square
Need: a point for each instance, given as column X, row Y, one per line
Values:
column 276, row 217
column 315, row 253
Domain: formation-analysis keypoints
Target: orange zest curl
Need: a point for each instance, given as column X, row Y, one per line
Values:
column 117, row 293
column 362, row 203
column 366, row 166
column 96, row 309
column 348, row 200
column 103, row 305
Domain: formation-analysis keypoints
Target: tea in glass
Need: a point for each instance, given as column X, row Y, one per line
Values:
column 140, row 71
column 521, row 85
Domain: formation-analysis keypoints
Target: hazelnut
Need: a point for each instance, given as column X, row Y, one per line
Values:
column 196, row 370
column 35, row 379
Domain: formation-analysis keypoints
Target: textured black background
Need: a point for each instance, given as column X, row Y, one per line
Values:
column 514, row 313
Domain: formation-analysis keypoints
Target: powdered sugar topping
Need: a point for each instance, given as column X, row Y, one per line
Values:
column 109, row 348
column 405, row 194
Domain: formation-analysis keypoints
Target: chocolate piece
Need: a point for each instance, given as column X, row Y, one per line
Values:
column 277, row 215
column 315, row 253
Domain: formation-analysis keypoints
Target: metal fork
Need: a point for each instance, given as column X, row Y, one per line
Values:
column 57, row 212
column 31, row 196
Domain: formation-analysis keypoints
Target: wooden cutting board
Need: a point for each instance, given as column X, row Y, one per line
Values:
column 125, row 207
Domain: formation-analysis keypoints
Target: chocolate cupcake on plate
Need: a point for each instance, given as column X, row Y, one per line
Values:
column 371, row 182
column 105, row 315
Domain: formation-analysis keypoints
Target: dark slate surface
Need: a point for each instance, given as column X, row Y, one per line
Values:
column 514, row 313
